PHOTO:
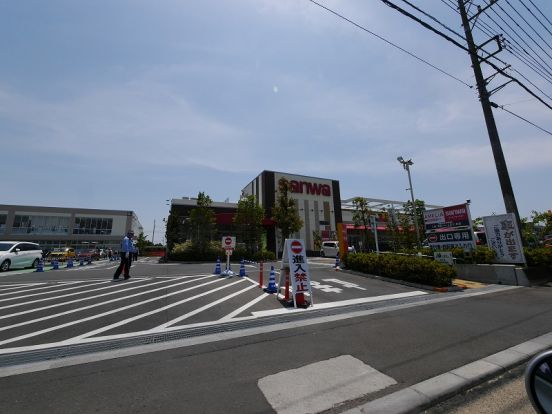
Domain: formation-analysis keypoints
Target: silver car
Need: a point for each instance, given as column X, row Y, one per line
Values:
column 15, row 254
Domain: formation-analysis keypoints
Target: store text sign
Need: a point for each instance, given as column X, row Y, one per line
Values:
column 305, row 187
column 447, row 217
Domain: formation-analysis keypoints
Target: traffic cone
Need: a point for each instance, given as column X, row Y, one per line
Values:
column 337, row 268
column 300, row 300
column 89, row 260
column 81, row 262
column 40, row 266
column 271, row 288
column 69, row 262
column 218, row 270
column 242, row 268
column 55, row 264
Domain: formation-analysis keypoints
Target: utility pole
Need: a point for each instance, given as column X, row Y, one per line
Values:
column 500, row 162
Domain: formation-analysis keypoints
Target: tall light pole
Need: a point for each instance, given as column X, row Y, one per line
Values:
column 406, row 165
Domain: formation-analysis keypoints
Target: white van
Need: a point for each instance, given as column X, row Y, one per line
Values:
column 15, row 254
column 329, row 249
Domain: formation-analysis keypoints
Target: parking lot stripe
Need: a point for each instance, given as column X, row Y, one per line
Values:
column 134, row 318
column 95, row 305
column 244, row 307
column 340, row 303
column 201, row 309
column 34, row 289
column 53, row 291
column 100, row 315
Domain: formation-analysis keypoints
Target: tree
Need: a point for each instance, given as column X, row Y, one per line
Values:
column 203, row 222
column 361, row 217
column 249, row 219
column 533, row 231
column 142, row 242
column 418, row 213
column 285, row 211
column 172, row 231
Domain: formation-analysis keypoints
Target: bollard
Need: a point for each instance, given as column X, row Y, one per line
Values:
column 271, row 288
column 218, row 270
column 286, row 296
column 40, row 266
column 261, row 265
column 242, row 268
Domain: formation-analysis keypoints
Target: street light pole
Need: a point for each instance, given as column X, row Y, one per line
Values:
column 406, row 165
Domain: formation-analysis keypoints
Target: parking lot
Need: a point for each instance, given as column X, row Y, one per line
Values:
column 82, row 304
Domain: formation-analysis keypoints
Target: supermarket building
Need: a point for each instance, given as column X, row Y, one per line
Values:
column 319, row 205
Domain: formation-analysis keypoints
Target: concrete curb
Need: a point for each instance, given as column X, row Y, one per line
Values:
column 428, row 393
column 402, row 282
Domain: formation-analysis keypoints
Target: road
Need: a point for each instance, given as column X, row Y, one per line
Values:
column 246, row 353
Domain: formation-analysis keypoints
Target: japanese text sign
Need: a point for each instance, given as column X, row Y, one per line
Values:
column 503, row 237
column 298, row 266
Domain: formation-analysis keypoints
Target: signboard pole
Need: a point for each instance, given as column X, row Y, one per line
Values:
column 375, row 227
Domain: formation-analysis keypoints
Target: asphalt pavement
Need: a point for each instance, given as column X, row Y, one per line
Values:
column 359, row 348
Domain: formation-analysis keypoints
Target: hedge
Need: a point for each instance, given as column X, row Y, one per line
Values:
column 407, row 268
column 187, row 252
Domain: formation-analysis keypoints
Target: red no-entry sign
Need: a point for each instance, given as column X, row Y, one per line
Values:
column 296, row 247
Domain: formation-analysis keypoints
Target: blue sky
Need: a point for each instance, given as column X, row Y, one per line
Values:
column 124, row 104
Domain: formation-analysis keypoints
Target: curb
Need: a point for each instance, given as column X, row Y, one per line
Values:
column 428, row 393
column 453, row 288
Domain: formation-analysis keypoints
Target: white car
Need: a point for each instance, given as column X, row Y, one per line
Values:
column 331, row 249
column 15, row 254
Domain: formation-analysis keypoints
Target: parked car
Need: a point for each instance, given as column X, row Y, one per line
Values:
column 19, row 255
column 61, row 254
column 93, row 254
column 331, row 249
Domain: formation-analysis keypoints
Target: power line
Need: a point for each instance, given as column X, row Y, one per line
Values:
column 520, row 117
column 390, row 43
column 530, row 11
column 515, row 32
column 528, row 24
column 536, row 7
column 434, row 19
column 522, row 29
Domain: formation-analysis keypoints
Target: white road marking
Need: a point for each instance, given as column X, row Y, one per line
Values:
column 89, row 306
column 34, row 289
column 244, row 307
column 133, row 318
column 201, row 309
column 340, row 303
column 47, row 293
column 5, row 288
column 320, row 386
column 220, row 336
column 345, row 284
column 100, row 315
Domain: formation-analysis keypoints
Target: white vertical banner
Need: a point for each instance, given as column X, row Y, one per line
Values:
column 295, row 256
column 504, row 238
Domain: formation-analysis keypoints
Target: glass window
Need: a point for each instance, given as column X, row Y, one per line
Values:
column 3, row 218
column 24, row 224
column 92, row 225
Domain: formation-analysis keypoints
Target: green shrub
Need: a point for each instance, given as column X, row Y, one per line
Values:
column 187, row 252
column 538, row 257
column 407, row 268
column 481, row 255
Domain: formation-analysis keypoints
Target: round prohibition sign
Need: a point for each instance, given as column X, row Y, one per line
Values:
column 296, row 247
column 228, row 241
